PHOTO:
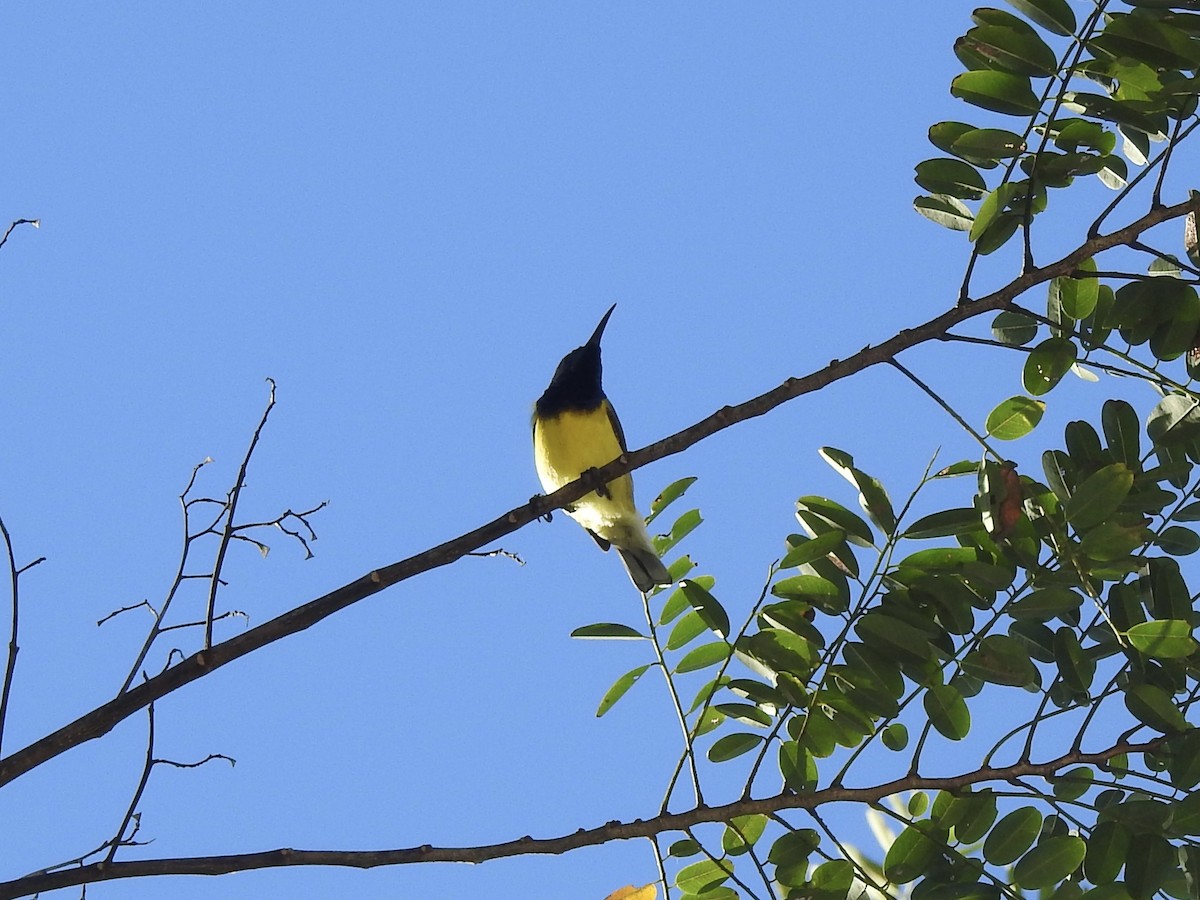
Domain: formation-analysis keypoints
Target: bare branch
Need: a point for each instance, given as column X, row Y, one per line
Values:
column 104, row 718
column 525, row 846
column 36, row 223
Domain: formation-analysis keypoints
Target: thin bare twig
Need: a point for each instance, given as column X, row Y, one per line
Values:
column 230, row 512
column 36, row 223
column 13, row 649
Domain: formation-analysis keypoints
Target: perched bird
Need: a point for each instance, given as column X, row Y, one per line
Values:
column 576, row 429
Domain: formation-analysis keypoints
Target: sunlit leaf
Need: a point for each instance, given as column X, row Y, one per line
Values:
column 731, row 746
column 620, row 686
column 669, row 495
column 1163, row 639
column 1014, row 418
column 704, row 656
column 1048, row 362
column 707, row 606
column 1000, row 92
column 945, row 210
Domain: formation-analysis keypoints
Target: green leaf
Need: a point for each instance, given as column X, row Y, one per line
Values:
column 1123, row 113
column 1153, row 706
column 1122, row 430
column 1053, row 15
column 683, row 847
column 944, row 135
column 780, row 651
column 1014, row 329
column 742, row 833
column 1073, row 784
column 704, row 656
column 871, row 494
column 976, row 821
column 1014, row 418
column 1108, row 847
column 804, row 550
column 1007, row 49
column 684, row 525
column 1151, row 860
column 940, row 559
column 731, row 746
column 1178, row 541
column 1185, row 765
column 913, row 851
column 677, row 602
column 686, row 630
column 894, row 637
column 833, row 878
column 1047, row 364
column 744, row 713
column 945, row 210
column 895, row 736
column 798, row 766
column 610, row 630
column 820, row 514
column 946, row 523
column 947, row 711
column 1045, row 604
column 1050, row 862
column 707, row 607
column 1012, row 836
column 669, row 495
column 987, row 144
column 954, row 177
column 620, row 686
column 1148, row 40
column 1000, row 659
column 694, row 879
column 1078, row 295
column 811, row 589
column 1074, row 665
column 999, row 92
column 1163, row 638
column 991, row 209
column 1098, row 496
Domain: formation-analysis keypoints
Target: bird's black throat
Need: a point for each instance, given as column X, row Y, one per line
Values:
column 576, row 385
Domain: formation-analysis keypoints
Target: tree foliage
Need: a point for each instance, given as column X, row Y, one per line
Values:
column 998, row 663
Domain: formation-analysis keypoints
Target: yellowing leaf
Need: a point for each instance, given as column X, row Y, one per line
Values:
column 629, row 892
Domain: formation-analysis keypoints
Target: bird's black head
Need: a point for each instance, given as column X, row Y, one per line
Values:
column 576, row 384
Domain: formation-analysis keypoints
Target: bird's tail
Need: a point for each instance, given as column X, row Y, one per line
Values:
column 644, row 567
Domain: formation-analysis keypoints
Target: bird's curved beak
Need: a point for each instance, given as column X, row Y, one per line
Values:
column 594, row 340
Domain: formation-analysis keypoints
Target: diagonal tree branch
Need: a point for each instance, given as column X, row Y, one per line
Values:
column 584, row 837
column 101, row 720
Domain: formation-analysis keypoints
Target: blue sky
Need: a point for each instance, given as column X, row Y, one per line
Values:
column 406, row 214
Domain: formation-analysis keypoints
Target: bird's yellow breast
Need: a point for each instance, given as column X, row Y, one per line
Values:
column 566, row 446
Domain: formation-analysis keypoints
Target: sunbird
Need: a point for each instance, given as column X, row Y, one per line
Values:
column 575, row 429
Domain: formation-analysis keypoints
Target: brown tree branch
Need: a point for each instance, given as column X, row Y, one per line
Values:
column 104, row 718
column 584, row 837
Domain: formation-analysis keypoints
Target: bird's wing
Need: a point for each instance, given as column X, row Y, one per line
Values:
column 616, row 425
